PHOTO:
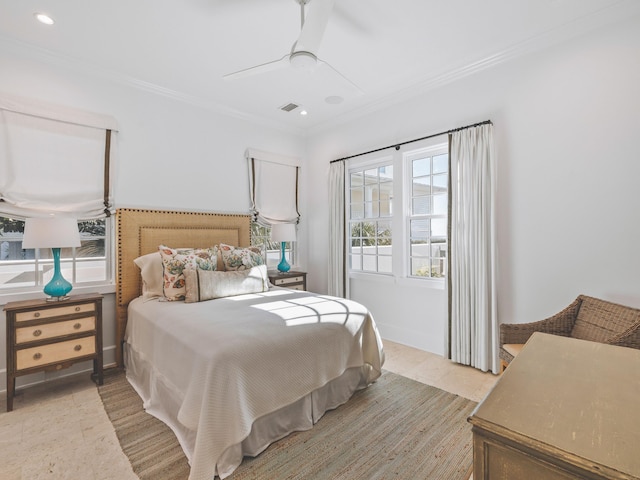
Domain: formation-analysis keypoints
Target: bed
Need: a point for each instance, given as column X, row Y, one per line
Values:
column 233, row 374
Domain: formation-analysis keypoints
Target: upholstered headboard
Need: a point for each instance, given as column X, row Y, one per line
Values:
column 141, row 231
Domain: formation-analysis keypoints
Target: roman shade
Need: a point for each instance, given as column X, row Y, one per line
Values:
column 54, row 160
column 273, row 183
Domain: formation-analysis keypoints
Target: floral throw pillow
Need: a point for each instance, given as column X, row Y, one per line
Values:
column 237, row 258
column 176, row 260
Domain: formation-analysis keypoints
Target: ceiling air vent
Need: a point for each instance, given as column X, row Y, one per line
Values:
column 289, row 107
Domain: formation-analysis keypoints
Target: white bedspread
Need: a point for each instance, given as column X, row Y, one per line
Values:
column 228, row 362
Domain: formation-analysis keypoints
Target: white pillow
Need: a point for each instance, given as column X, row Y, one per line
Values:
column 151, row 271
column 204, row 285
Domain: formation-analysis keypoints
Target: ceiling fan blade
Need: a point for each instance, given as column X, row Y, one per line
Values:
column 258, row 69
column 315, row 23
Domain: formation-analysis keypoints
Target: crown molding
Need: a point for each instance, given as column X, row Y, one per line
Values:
column 43, row 55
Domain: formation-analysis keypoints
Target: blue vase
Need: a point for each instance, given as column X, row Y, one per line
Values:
column 283, row 266
column 58, row 286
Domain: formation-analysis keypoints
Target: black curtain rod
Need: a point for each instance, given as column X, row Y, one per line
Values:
column 398, row 145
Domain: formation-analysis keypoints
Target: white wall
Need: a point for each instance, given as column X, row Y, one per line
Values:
column 567, row 123
column 170, row 153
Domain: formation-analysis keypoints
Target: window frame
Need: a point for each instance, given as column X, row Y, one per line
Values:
column 400, row 219
column 362, row 167
column 410, row 215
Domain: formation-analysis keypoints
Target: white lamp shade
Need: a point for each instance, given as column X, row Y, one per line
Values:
column 51, row 232
column 283, row 232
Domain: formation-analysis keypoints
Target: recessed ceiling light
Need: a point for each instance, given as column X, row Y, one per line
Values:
column 44, row 18
column 303, row 112
column 334, row 100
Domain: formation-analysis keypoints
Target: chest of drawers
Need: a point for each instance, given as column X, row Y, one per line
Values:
column 46, row 336
column 565, row 409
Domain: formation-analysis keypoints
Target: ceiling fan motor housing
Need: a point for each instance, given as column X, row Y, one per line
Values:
column 303, row 59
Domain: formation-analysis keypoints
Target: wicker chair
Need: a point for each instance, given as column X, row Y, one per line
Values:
column 587, row 318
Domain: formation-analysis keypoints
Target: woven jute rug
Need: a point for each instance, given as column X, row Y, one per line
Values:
column 395, row 429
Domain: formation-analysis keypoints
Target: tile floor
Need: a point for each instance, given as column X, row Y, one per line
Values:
column 437, row 371
column 59, row 430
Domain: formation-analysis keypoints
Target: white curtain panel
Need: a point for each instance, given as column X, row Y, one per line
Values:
column 273, row 180
column 337, row 266
column 473, row 321
column 50, row 162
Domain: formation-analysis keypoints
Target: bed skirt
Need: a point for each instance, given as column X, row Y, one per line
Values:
column 163, row 401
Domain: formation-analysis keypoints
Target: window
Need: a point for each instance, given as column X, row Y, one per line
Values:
column 428, row 171
column 371, row 207
column 24, row 269
column 406, row 237
column 261, row 237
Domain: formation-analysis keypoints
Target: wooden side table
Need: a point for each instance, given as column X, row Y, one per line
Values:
column 49, row 336
column 292, row 280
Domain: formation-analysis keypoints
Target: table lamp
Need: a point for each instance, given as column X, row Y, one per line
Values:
column 283, row 232
column 54, row 233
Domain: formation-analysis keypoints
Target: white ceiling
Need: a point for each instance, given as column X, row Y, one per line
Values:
column 389, row 49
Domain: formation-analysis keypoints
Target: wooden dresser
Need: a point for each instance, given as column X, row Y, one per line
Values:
column 292, row 280
column 44, row 336
column 563, row 409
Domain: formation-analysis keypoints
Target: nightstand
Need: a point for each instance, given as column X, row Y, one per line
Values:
column 292, row 280
column 47, row 336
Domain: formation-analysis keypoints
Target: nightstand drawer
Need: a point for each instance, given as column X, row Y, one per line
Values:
column 57, row 329
column 287, row 281
column 54, row 312
column 290, row 280
column 55, row 352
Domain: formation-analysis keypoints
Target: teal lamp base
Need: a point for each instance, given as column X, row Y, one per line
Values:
column 58, row 287
column 283, row 266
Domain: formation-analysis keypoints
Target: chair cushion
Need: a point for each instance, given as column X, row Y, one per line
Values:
column 513, row 348
column 601, row 321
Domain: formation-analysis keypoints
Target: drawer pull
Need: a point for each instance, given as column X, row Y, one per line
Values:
column 77, row 325
column 37, row 314
column 37, row 333
column 77, row 348
column 37, row 356
column 77, row 309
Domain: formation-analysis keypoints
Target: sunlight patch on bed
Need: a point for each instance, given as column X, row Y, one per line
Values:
column 308, row 310
column 255, row 296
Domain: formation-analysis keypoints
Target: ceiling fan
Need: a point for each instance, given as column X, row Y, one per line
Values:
column 303, row 54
